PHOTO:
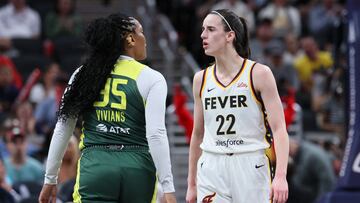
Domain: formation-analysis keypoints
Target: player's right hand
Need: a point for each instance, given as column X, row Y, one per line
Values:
column 48, row 194
column 191, row 194
column 170, row 197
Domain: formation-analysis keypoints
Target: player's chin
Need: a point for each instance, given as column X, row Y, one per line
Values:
column 208, row 52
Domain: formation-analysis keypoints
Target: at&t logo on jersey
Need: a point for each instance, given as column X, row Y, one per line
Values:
column 209, row 198
column 112, row 129
column 101, row 128
column 117, row 130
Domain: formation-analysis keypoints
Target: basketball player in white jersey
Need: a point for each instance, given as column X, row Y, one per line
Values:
column 237, row 114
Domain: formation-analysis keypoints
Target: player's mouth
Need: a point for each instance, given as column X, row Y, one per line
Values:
column 205, row 45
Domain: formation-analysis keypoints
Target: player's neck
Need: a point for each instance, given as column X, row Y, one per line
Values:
column 228, row 63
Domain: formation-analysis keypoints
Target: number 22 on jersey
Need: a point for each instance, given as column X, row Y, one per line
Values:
column 113, row 83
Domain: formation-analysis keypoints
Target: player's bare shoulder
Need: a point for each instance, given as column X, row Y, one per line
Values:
column 261, row 70
column 261, row 75
column 198, row 78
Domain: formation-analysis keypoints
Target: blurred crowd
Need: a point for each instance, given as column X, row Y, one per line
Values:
column 39, row 49
column 302, row 41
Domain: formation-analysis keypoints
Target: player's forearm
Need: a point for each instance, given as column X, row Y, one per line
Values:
column 156, row 132
column 282, row 151
column 194, row 155
column 160, row 152
column 59, row 142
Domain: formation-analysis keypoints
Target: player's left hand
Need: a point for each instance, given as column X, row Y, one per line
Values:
column 48, row 194
column 170, row 197
column 279, row 190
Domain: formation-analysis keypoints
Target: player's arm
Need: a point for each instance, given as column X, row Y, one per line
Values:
column 59, row 141
column 196, row 137
column 156, row 131
column 265, row 84
column 58, row 145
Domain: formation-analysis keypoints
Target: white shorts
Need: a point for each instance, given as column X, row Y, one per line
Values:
column 237, row 178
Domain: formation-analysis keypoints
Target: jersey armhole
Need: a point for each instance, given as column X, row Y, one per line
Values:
column 203, row 81
column 252, row 87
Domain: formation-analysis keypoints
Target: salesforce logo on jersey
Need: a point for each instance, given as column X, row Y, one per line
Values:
column 229, row 142
column 112, row 129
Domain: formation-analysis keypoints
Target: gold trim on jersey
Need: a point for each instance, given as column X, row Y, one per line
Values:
column 82, row 137
column 237, row 76
column 271, row 178
column 76, row 194
column 252, row 88
column 153, row 200
column 128, row 68
column 203, row 81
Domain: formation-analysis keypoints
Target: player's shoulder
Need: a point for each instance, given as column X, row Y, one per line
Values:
column 199, row 76
column 261, row 70
column 152, row 74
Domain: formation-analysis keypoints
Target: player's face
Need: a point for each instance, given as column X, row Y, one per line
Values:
column 213, row 35
column 140, row 42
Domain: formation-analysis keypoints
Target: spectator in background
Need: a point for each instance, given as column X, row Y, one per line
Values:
column 64, row 21
column 17, row 20
column 323, row 20
column 185, row 117
column 45, row 89
column 5, row 187
column 286, row 19
column 313, row 169
column 6, row 125
column 331, row 116
column 312, row 70
column 240, row 9
column 264, row 34
column 19, row 166
column 45, row 112
column 69, row 162
column 24, row 113
column 292, row 48
column 8, row 91
column 282, row 71
column 25, row 117
column 296, row 193
column 16, row 76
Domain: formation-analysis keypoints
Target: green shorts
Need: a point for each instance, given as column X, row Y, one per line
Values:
column 125, row 175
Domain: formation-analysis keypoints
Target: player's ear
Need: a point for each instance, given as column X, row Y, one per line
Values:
column 130, row 41
column 230, row 36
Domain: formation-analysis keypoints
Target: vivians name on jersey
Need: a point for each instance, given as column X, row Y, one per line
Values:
column 110, row 115
column 233, row 101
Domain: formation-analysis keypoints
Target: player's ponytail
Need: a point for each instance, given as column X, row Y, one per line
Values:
column 105, row 38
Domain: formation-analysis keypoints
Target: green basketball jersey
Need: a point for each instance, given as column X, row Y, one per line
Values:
column 118, row 117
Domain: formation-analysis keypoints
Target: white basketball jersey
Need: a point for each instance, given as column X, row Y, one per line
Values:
column 234, row 118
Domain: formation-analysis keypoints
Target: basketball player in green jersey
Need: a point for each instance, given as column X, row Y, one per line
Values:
column 122, row 102
column 236, row 108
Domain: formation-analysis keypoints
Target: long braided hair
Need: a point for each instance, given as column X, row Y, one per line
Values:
column 106, row 41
